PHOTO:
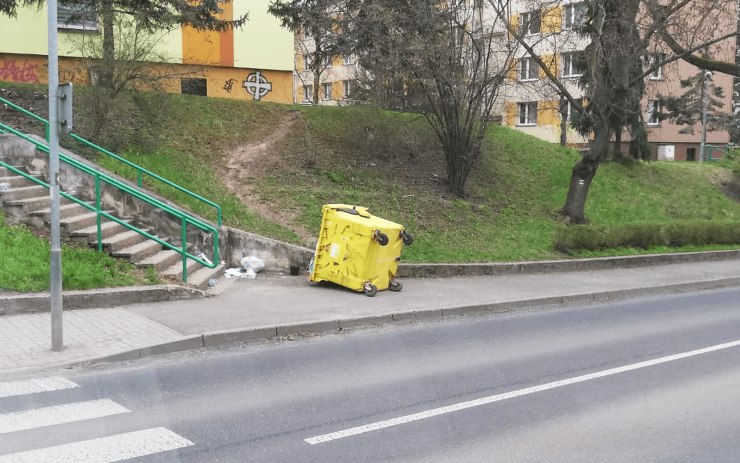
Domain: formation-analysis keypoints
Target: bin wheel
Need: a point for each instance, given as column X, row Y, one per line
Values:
column 395, row 285
column 381, row 237
column 408, row 238
column 370, row 290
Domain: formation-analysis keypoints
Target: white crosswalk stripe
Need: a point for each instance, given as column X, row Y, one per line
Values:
column 117, row 447
column 58, row 414
column 106, row 449
column 35, row 385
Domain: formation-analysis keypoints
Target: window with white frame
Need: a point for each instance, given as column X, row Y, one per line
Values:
column 528, row 69
column 327, row 61
column 306, row 34
column 349, row 60
column 307, row 61
column 653, row 60
column 348, row 87
column 530, row 22
column 326, row 87
column 76, row 15
column 308, row 93
column 528, row 113
column 574, row 16
column 653, row 112
column 570, row 110
column 572, row 64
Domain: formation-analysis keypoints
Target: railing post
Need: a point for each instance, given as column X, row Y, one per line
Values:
column 97, row 212
column 184, row 250
column 139, row 179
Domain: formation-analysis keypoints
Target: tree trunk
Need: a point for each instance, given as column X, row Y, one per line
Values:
column 563, row 121
column 583, row 173
column 580, row 183
column 107, row 16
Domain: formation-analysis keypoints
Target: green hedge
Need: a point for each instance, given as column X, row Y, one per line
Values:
column 596, row 237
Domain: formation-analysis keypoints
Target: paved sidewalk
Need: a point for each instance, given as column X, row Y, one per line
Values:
column 279, row 305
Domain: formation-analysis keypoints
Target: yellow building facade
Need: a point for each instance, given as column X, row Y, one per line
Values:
column 253, row 63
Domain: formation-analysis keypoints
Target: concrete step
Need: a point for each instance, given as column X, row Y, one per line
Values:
column 5, row 172
column 119, row 241
column 161, row 260
column 198, row 275
column 31, row 205
column 108, row 228
column 17, row 181
column 24, row 192
column 66, row 210
column 199, row 278
column 139, row 252
column 81, row 220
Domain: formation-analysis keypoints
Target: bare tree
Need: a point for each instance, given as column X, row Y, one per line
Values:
column 442, row 59
column 620, row 34
column 316, row 25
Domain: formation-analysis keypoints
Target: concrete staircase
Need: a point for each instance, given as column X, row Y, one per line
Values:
column 24, row 201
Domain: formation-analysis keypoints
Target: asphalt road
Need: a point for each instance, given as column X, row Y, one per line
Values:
column 653, row 379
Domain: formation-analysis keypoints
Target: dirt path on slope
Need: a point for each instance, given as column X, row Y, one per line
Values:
column 252, row 161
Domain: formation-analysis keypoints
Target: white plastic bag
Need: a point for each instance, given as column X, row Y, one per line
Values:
column 255, row 264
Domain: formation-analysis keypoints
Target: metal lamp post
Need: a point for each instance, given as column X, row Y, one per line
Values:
column 55, row 276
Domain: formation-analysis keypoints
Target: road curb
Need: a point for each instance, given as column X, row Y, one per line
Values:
column 116, row 297
column 566, row 265
column 98, row 298
column 265, row 333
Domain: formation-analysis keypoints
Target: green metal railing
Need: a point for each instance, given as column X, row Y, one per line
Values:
column 140, row 171
column 102, row 178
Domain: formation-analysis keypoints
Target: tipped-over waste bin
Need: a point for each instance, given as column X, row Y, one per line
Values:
column 358, row 250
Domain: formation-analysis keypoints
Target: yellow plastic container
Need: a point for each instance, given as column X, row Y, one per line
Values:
column 358, row 250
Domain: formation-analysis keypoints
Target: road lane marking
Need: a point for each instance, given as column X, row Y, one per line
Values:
column 34, row 386
column 106, row 449
column 58, row 414
column 510, row 395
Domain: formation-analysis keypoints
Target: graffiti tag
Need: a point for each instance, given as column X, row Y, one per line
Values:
column 229, row 85
column 18, row 71
column 256, row 85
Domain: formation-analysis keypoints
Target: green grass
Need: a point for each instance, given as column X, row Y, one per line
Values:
column 392, row 163
column 25, row 265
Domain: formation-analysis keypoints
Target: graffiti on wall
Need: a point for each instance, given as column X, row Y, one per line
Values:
column 12, row 70
column 229, row 85
column 256, row 85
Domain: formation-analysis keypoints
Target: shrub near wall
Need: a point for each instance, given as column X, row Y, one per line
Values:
column 683, row 233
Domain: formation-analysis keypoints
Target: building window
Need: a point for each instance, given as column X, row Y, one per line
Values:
column 348, row 86
column 531, row 22
column 653, row 112
column 327, row 61
column 326, row 87
column 691, row 154
column 306, row 34
column 528, row 69
column 573, row 64
column 574, row 16
column 528, row 113
column 349, row 60
column 194, row 87
column 652, row 60
column 569, row 110
column 308, row 93
column 307, row 61
column 77, row 15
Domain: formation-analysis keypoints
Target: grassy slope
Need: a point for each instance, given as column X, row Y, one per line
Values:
column 25, row 264
column 391, row 163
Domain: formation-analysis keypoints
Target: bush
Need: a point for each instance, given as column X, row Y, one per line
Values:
column 675, row 234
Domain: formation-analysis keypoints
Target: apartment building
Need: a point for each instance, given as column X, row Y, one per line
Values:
column 252, row 63
column 533, row 106
column 337, row 75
